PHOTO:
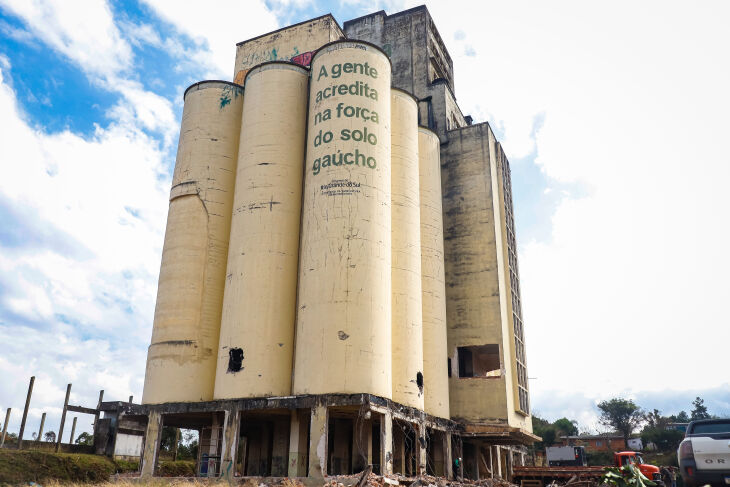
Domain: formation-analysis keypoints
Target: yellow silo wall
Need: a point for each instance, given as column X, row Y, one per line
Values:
column 343, row 334
column 435, row 353
column 407, row 329
column 181, row 359
column 257, row 325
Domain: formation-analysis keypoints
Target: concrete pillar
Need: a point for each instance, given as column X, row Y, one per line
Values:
column 318, row 441
column 229, row 448
column 477, row 460
column 386, row 442
column 362, row 444
column 498, row 457
column 448, row 456
column 73, row 431
column 63, row 418
column 280, row 448
column 152, row 438
column 40, row 430
column 5, row 426
column 460, row 446
column 214, row 448
column 522, row 459
column 297, row 444
column 25, row 413
column 421, row 453
column 98, row 409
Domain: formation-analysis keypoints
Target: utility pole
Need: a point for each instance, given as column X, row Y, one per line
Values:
column 25, row 413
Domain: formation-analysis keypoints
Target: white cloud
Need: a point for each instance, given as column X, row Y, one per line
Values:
column 216, row 27
column 80, row 286
column 628, row 294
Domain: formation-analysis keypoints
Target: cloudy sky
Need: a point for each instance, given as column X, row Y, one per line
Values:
column 614, row 116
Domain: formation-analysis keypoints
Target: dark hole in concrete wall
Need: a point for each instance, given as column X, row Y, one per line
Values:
column 235, row 359
column 419, row 382
column 448, row 366
column 479, row 361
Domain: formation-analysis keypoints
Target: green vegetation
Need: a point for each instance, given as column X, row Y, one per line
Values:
column 18, row 467
column 626, row 476
column 551, row 432
column 124, row 466
column 180, row 468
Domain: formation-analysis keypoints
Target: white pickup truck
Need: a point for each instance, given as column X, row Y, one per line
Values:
column 704, row 454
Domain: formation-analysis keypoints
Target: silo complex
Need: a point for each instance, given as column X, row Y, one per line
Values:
column 343, row 332
column 407, row 330
column 435, row 353
column 181, row 359
column 257, row 325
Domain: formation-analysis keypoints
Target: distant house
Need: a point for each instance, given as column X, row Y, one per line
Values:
column 677, row 426
column 597, row 443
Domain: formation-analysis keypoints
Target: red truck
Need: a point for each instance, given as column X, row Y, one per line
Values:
column 539, row 476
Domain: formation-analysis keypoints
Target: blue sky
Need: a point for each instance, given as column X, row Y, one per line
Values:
column 616, row 129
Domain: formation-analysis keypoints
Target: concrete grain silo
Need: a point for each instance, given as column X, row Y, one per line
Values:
column 257, row 325
column 407, row 329
column 182, row 355
column 343, row 342
column 435, row 353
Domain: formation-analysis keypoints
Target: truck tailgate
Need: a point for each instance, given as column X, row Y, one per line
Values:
column 711, row 453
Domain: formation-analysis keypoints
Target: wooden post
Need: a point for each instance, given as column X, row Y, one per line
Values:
column 5, row 427
column 40, row 430
column 63, row 418
column 25, row 413
column 98, row 410
column 73, row 431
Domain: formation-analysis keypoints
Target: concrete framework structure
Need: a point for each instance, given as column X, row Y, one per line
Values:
column 372, row 283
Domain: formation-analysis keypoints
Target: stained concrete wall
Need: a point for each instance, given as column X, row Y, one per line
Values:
column 477, row 283
column 285, row 44
column 421, row 63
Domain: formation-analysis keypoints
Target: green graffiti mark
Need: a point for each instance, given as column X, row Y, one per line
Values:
column 225, row 98
column 387, row 49
column 273, row 54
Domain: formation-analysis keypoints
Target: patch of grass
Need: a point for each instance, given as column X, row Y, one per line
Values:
column 180, row 468
column 124, row 466
column 19, row 467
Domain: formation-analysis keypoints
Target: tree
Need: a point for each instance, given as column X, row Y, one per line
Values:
column 50, row 436
column 622, row 415
column 566, row 427
column 682, row 417
column 85, row 439
column 700, row 410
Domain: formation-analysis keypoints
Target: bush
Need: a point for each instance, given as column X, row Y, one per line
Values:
column 180, row 468
column 599, row 458
column 18, row 467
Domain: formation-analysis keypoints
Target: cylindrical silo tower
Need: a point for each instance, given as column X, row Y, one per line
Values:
column 259, row 305
column 407, row 328
column 343, row 335
column 435, row 353
column 181, row 359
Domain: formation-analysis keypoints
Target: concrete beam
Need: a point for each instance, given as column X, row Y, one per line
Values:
column 318, row 441
column 152, row 439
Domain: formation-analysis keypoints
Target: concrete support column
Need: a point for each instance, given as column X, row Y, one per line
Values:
column 229, row 448
column 152, row 438
column 448, row 456
column 460, row 446
column 318, row 441
column 280, row 448
column 297, row 445
column 386, row 443
column 421, row 452
column 477, row 460
column 498, row 457
column 40, row 430
column 362, row 444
